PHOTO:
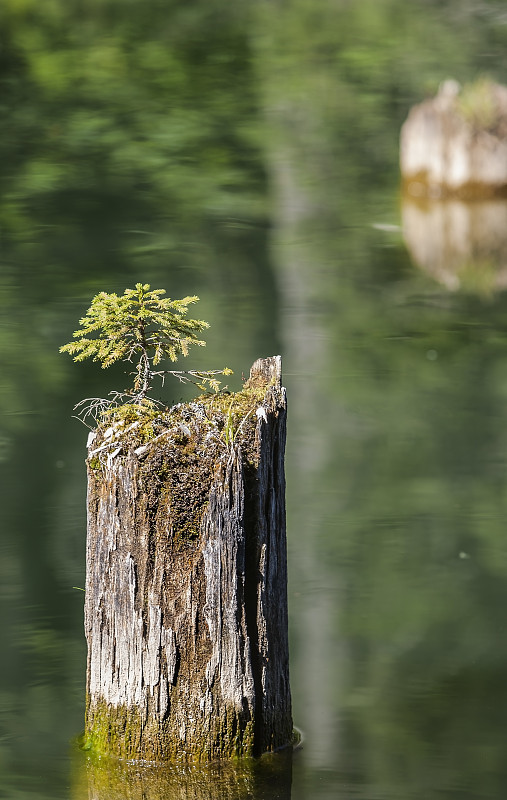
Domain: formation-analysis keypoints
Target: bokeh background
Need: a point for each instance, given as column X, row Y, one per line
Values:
column 248, row 153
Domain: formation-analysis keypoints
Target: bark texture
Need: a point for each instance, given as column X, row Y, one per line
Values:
column 186, row 604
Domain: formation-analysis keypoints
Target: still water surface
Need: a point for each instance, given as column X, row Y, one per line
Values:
column 250, row 157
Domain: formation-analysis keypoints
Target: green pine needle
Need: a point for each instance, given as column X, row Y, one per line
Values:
column 144, row 328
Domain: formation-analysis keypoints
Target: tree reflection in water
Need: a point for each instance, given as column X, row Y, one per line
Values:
column 463, row 245
column 266, row 778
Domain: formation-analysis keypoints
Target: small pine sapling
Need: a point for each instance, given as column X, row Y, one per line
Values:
column 143, row 328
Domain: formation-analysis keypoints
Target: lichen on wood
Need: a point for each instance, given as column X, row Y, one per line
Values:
column 186, row 607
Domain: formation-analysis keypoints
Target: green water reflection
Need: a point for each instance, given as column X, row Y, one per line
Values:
column 269, row 778
column 249, row 155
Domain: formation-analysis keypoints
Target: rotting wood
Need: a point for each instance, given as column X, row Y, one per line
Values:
column 186, row 593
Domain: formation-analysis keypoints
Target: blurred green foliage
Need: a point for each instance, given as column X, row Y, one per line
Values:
column 132, row 108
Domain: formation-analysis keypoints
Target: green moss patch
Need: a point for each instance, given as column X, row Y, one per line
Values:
column 124, row 733
column 179, row 450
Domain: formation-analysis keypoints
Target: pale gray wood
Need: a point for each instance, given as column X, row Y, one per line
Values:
column 187, row 645
column 444, row 150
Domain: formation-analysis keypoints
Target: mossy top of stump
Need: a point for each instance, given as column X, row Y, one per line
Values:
column 187, row 439
column 208, row 425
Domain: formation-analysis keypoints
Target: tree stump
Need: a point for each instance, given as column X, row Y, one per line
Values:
column 186, row 587
column 455, row 144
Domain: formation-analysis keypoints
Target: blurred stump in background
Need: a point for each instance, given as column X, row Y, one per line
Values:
column 453, row 158
column 455, row 144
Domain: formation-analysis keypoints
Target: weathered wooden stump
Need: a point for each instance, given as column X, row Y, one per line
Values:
column 186, row 589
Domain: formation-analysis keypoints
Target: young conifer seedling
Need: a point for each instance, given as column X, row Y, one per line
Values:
column 143, row 328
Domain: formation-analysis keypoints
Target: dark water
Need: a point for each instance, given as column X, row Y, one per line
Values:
column 248, row 154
